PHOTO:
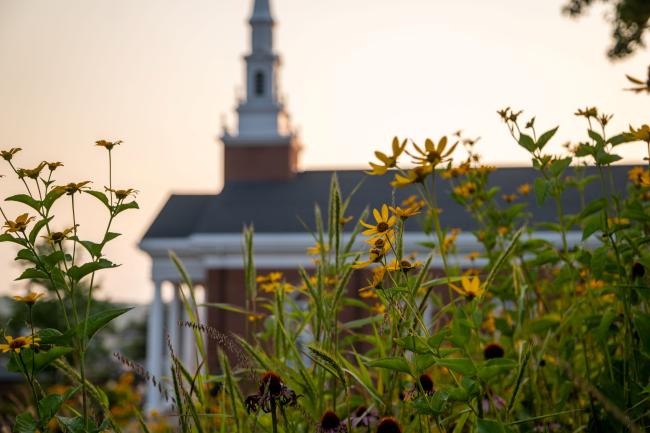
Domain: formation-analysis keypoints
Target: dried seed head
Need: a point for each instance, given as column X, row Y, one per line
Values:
column 638, row 270
column 388, row 425
column 426, row 383
column 330, row 422
column 271, row 382
column 493, row 350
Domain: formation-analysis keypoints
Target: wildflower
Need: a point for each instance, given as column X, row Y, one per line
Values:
column 18, row 343
column 426, row 383
column 58, row 237
column 605, row 118
column 643, row 86
column 641, row 134
column 504, row 113
column 7, row 155
column 388, row 425
column 503, row 230
column 638, row 270
column 493, row 401
column 388, row 161
column 588, row 112
column 531, row 123
column 317, row 249
column 255, row 317
column 29, row 299
column 615, row 221
column 412, row 201
column 493, row 350
column 330, row 423
column 383, row 223
column 374, row 256
column 513, row 116
column 524, row 189
column 465, row 190
column 485, row 169
column 378, row 274
column 19, row 225
column 72, row 187
column 473, row 255
column 471, row 287
column 406, row 212
column 509, row 198
column 363, row 417
column 403, row 265
column 451, row 238
column 31, row 173
column 345, row 219
column 432, row 154
column 122, row 194
column 53, row 165
column 378, row 309
column 109, row 145
column 639, row 176
column 414, row 175
column 271, row 391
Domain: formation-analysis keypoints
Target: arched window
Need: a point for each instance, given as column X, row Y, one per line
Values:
column 259, row 83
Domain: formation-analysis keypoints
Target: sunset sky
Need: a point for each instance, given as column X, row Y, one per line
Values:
column 160, row 74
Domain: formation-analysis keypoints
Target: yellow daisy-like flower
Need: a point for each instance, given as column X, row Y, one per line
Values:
column 615, row 221
column 375, row 255
column 378, row 274
column 109, row 145
column 19, row 343
column 345, row 219
column 588, row 112
column 122, row 194
column 405, row 213
column 72, row 188
column 317, row 249
column 53, row 165
column 509, row 198
column 473, row 255
column 19, row 225
column 7, row 155
column 641, row 86
column 451, row 239
column 31, row 173
column 414, row 175
column 465, row 190
column 378, row 309
column 471, row 287
column 387, row 161
column 384, row 223
column 255, row 317
column 503, row 230
column 524, row 189
column 433, row 154
column 639, row 176
column 58, row 237
column 403, row 265
column 642, row 133
column 30, row 298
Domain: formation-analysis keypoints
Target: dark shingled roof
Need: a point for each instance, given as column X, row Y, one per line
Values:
column 279, row 206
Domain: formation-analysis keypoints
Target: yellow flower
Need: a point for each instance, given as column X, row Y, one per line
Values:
column 412, row 200
column 473, row 255
column 403, row 265
column 387, row 161
column 642, row 133
column 465, row 190
column 414, row 175
column 383, row 223
column 18, row 343
column 19, row 225
column 109, row 145
column 502, row 230
column 615, row 221
column 406, row 212
column 642, row 86
column 377, row 279
column 255, row 317
column 345, row 219
column 639, row 176
column 432, row 154
column 317, row 249
column 53, row 165
column 30, row 298
column 7, row 155
column 378, row 309
column 588, row 112
column 122, row 194
column 451, row 239
column 471, row 287
column 461, row 170
column 485, row 169
column 509, row 198
column 31, row 173
column 72, row 187
column 524, row 189
column 374, row 256
column 58, row 237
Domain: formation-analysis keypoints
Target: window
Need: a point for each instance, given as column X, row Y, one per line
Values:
column 259, row 83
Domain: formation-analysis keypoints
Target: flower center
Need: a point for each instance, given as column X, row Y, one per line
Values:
column 382, row 227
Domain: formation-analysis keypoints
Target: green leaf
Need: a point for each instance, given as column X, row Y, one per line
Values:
column 527, row 142
column 41, row 360
column 51, row 197
column 490, row 426
column 459, row 365
column 495, row 367
column 545, row 137
column 72, row 425
column 396, row 364
column 541, row 190
column 99, row 196
column 593, row 207
column 32, row 274
column 78, row 272
column 124, row 206
column 52, row 259
column 25, row 199
column 50, row 405
column 544, row 323
column 592, row 225
column 25, row 423
column 605, row 323
column 6, row 237
column 96, row 322
column 27, row 254
column 559, row 165
column 37, row 228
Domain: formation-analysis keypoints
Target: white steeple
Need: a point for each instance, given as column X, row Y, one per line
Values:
column 261, row 114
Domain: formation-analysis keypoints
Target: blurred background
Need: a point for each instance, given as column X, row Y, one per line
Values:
column 164, row 75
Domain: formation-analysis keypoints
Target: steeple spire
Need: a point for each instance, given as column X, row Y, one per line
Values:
column 264, row 131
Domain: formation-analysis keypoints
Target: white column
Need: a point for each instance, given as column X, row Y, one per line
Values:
column 172, row 327
column 155, row 347
column 188, row 343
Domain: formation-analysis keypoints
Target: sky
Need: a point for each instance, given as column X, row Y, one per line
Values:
column 162, row 74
